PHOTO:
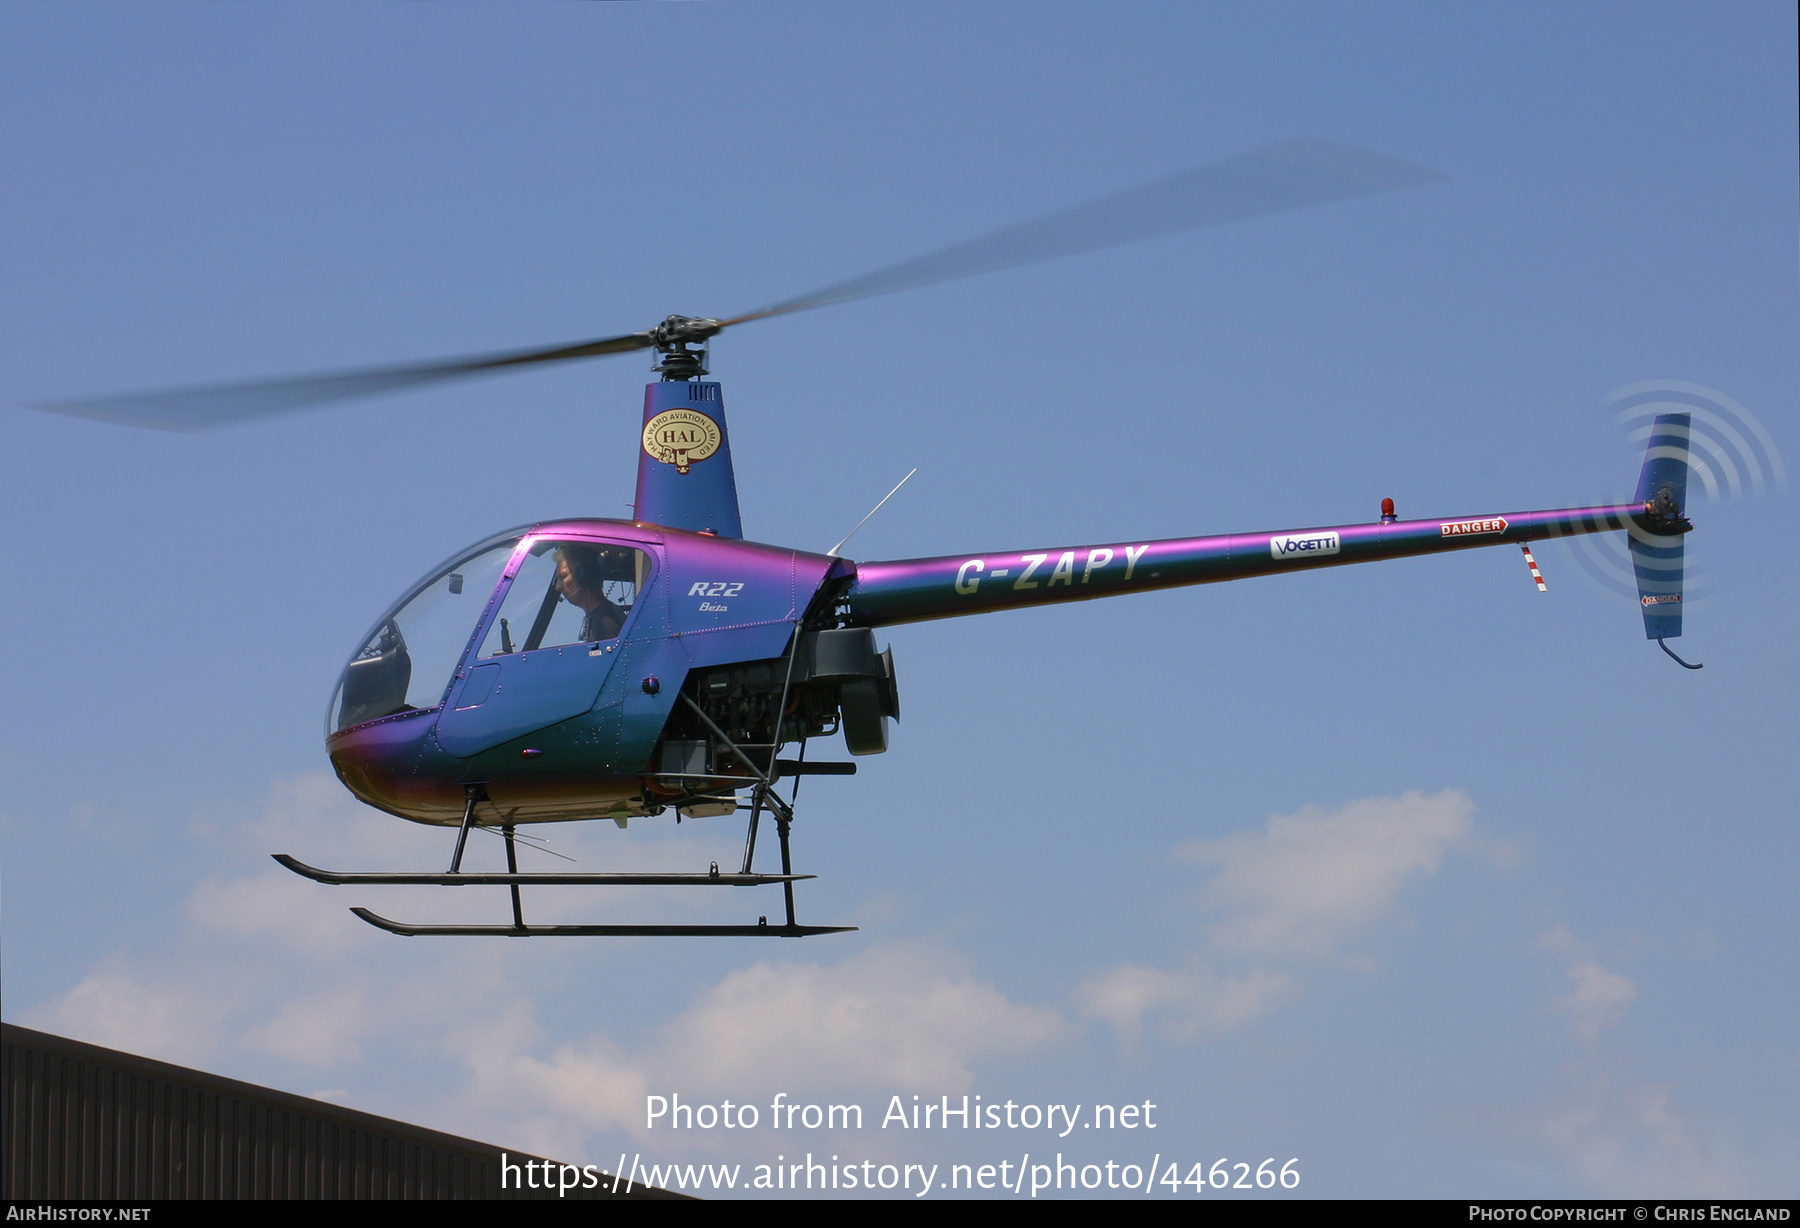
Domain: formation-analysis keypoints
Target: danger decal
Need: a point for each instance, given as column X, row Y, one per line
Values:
column 1458, row 528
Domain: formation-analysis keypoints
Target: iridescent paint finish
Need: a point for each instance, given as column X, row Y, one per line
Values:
column 685, row 478
column 914, row 589
column 567, row 731
column 708, row 601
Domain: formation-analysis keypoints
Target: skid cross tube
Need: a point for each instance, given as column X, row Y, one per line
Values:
column 473, row 796
column 750, row 835
column 781, row 831
column 512, row 868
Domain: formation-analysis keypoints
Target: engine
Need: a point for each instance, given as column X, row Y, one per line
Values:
column 834, row 681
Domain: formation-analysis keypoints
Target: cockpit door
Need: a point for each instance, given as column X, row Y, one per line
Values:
column 547, row 649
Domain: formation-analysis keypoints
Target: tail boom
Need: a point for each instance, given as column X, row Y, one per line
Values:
column 911, row 590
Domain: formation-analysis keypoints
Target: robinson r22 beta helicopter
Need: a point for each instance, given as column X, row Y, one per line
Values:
column 613, row 669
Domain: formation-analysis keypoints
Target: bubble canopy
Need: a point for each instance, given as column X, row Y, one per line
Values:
column 408, row 658
column 549, row 590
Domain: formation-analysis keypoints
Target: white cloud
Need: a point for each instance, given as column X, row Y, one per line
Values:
column 174, row 1022
column 321, row 1029
column 1193, row 1002
column 1600, row 999
column 1600, row 996
column 1635, row 1143
column 301, row 915
column 890, row 1016
column 1304, row 882
column 1295, row 888
column 547, row 1105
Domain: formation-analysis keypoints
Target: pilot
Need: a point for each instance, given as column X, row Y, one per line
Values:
column 579, row 575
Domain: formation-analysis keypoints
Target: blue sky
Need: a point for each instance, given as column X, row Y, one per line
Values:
column 1441, row 885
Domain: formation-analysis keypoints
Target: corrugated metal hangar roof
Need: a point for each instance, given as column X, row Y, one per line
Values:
column 82, row 1122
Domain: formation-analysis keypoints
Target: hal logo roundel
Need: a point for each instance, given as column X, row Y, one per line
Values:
column 681, row 437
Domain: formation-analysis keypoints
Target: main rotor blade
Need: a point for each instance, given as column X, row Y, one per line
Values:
column 1291, row 175
column 216, row 405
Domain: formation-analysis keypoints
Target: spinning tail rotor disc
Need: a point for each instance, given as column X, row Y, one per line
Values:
column 1718, row 451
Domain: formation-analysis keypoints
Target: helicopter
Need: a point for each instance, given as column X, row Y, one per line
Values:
column 594, row 668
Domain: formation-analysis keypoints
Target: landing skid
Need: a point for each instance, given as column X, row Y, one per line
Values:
column 764, row 798
column 465, row 879
column 604, row 931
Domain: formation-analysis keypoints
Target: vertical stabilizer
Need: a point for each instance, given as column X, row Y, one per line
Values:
column 1656, row 541
column 685, row 479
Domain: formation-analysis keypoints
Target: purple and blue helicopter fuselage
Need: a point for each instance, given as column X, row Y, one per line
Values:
column 572, row 729
column 588, row 669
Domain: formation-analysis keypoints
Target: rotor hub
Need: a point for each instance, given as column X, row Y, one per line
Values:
column 673, row 337
column 1664, row 514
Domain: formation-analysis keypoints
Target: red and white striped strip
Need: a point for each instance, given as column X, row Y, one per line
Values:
column 1532, row 563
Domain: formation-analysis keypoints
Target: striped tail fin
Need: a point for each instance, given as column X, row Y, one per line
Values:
column 1656, row 540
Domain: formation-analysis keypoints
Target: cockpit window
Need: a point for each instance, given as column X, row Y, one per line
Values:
column 567, row 592
column 407, row 662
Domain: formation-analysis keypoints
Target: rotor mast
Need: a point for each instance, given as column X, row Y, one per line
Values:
column 685, row 477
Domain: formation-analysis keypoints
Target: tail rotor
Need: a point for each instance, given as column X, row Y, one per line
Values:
column 1656, row 539
column 1697, row 442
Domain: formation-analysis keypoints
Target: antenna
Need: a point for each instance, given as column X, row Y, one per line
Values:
column 833, row 552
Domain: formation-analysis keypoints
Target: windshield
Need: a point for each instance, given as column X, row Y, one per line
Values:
column 406, row 662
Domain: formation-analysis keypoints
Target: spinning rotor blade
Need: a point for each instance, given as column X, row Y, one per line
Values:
column 1291, row 175
column 198, row 409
